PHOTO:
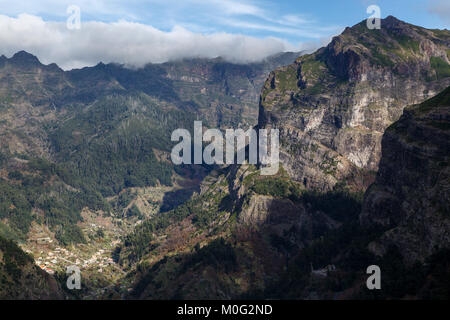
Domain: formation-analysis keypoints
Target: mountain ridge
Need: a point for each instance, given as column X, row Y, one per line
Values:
column 332, row 106
column 86, row 152
column 283, row 237
column 228, row 232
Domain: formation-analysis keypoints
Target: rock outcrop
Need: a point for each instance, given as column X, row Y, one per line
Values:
column 411, row 194
column 333, row 106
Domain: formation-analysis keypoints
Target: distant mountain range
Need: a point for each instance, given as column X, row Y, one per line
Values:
column 73, row 139
column 74, row 118
column 85, row 162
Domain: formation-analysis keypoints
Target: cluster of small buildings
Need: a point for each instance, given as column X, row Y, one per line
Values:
column 52, row 258
column 62, row 257
column 98, row 259
column 50, row 262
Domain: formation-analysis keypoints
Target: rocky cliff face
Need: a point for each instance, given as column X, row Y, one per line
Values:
column 333, row 106
column 224, row 94
column 411, row 195
column 237, row 237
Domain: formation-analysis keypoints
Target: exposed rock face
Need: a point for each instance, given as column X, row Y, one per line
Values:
column 224, row 94
column 220, row 93
column 263, row 209
column 411, row 193
column 333, row 106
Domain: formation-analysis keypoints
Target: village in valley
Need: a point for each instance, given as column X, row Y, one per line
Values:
column 94, row 258
column 56, row 257
column 102, row 277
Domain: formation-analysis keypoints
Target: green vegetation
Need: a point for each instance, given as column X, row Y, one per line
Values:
column 13, row 259
column 60, row 206
column 441, row 99
column 202, row 210
column 123, row 200
column 441, row 67
column 315, row 72
column 443, row 125
column 329, row 165
column 100, row 150
column 70, row 234
column 277, row 187
column 382, row 58
column 312, row 66
column 110, row 147
column 287, row 79
column 441, row 33
column 16, row 207
column 218, row 254
column 134, row 212
column 8, row 233
column 408, row 43
column 139, row 241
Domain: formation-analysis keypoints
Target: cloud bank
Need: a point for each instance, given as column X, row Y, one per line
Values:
column 130, row 43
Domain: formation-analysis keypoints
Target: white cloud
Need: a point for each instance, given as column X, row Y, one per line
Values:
column 440, row 8
column 293, row 20
column 125, row 42
column 272, row 28
column 232, row 7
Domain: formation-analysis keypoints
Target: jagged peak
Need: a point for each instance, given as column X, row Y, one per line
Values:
column 391, row 20
column 392, row 30
column 23, row 57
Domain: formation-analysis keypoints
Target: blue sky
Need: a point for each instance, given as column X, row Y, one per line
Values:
column 295, row 21
column 282, row 24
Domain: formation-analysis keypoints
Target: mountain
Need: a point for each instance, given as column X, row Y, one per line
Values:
column 309, row 232
column 86, row 152
column 410, row 195
column 21, row 279
column 250, row 236
column 333, row 106
column 219, row 93
column 86, row 177
column 71, row 120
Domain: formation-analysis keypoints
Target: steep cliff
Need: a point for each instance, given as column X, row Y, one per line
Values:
column 411, row 194
column 279, row 238
column 333, row 106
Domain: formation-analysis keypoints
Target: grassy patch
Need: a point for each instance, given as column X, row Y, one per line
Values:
column 441, row 99
column 287, row 80
column 441, row 67
column 276, row 187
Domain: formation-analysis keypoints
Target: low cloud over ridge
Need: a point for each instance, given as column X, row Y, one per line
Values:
column 133, row 44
